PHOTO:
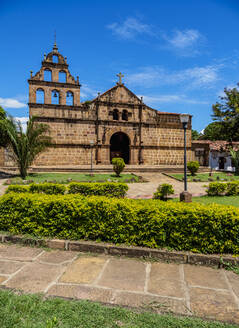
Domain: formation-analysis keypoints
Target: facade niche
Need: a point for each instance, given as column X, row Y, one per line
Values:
column 47, row 75
column 125, row 115
column 115, row 115
column 40, row 96
column 62, row 76
column 55, row 97
column 69, row 98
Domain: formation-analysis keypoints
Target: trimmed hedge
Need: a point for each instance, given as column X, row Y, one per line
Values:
column 109, row 189
column 17, row 188
column 47, row 188
column 219, row 189
column 152, row 223
column 44, row 188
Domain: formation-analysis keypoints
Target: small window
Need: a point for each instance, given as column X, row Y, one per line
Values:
column 62, row 77
column 55, row 59
column 125, row 115
column 115, row 115
column 40, row 96
column 55, row 97
column 69, row 98
column 47, row 75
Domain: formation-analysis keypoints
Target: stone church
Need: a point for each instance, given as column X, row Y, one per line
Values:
column 116, row 123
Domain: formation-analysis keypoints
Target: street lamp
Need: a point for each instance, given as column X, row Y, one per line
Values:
column 91, row 157
column 185, row 196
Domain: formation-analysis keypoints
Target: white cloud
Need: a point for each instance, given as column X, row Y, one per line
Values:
column 23, row 121
column 11, row 103
column 184, row 39
column 171, row 99
column 192, row 77
column 185, row 42
column 129, row 28
column 87, row 92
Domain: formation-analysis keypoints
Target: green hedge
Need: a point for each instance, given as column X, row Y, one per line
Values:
column 220, row 189
column 109, row 189
column 152, row 223
column 44, row 188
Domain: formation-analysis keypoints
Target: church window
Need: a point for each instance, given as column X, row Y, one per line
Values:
column 69, row 98
column 47, row 75
column 125, row 115
column 55, row 59
column 40, row 96
column 115, row 114
column 55, row 97
column 62, row 77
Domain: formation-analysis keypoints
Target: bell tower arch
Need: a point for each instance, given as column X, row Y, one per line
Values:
column 53, row 80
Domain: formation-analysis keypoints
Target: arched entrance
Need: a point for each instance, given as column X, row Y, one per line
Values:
column 119, row 146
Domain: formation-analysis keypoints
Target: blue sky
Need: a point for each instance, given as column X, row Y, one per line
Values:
column 178, row 54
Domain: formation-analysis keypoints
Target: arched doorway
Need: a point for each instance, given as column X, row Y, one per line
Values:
column 119, row 146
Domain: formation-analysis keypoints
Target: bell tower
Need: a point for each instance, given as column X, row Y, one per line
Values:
column 53, row 87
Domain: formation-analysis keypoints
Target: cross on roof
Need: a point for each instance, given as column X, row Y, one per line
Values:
column 120, row 75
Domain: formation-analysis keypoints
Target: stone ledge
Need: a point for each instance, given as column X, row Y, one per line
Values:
column 213, row 260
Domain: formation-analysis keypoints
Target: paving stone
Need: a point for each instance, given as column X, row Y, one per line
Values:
column 84, row 270
column 2, row 278
column 205, row 277
column 165, row 280
column 35, row 277
column 18, row 253
column 124, row 274
column 160, row 304
column 81, row 292
column 213, row 304
column 234, row 281
column 56, row 257
column 9, row 267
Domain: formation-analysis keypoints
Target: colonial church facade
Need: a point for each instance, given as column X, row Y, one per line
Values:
column 115, row 124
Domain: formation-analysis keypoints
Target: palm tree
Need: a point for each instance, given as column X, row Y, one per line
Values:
column 25, row 145
column 235, row 160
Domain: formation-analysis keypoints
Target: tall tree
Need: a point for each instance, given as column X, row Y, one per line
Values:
column 195, row 135
column 3, row 134
column 25, row 145
column 226, row 113
column 214, row 131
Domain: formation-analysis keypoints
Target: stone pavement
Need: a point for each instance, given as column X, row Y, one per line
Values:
column 146, row 189
column 163, row 287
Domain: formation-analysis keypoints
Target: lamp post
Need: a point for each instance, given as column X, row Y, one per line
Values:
column 91, row 157
column 185, row 196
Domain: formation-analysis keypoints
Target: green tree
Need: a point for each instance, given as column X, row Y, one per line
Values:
column 226, row 112
column 235, row 160
column 195, row 135
column 214, row 131
column 25, row 145
column 3, row 134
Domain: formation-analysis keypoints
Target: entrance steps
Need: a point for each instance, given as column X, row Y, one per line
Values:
column 106, row 168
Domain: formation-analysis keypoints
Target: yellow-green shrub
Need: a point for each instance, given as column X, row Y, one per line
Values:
column 152, row 223
column 219, row 188
column 109, row 189
column 17, row 188
column 47, row 188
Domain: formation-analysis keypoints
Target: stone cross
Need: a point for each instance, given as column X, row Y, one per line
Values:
column 120, row 75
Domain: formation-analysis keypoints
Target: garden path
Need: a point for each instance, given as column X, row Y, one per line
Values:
column 146, row 189
column 163, row 287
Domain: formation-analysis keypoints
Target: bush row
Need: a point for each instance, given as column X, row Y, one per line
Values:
column 218, row 188
column 152, row 223
column 109, row 189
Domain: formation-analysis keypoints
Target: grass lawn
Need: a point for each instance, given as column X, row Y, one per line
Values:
column 80, row 177
column 222, row 200
column 31, row 311
column 204, row 176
